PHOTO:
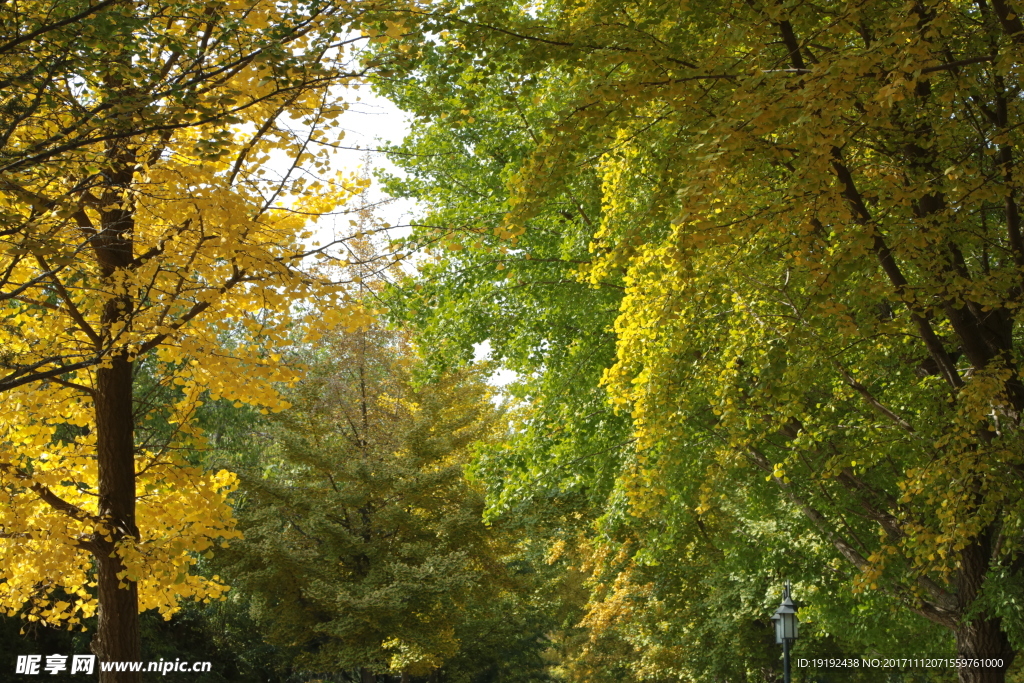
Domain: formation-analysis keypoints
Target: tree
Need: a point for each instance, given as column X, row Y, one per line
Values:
column 552, row 476
column 814, row 211
column 365, row 549
column 145, row 236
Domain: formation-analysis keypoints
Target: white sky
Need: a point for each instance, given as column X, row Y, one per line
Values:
column 369, row 123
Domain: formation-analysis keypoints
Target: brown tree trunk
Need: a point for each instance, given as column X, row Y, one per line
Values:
column 117, row 632
column 367, row 676
column 981, row 638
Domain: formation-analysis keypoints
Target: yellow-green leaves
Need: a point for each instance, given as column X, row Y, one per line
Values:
column 813, row 217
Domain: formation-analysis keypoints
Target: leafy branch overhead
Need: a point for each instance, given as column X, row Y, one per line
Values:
column 812, row 212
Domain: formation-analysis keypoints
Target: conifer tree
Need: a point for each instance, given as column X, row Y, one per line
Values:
column 365, row 546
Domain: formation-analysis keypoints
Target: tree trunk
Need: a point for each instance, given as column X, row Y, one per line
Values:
column 367, row 676
column 981, row 638
column 117, row 633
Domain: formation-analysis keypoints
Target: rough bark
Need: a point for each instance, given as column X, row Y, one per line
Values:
column 117, row 633
column 981, row 637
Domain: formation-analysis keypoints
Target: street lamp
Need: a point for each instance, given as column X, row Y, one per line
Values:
column 785, row 629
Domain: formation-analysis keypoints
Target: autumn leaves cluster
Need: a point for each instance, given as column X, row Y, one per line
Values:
column 757, row 266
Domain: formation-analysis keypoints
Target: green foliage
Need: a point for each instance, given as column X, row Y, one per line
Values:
column 799, row 232
column 364, row 544
column 520, row 293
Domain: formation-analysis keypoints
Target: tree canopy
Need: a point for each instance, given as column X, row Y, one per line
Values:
column 757, row 265
column 812, row 212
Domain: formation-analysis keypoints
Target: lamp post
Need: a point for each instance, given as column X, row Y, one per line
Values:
column 785, row 629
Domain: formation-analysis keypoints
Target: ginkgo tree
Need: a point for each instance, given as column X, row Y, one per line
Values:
column 814, row 211
column 144, row 233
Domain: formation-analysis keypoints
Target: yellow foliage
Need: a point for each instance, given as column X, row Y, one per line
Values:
column 166, row 252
